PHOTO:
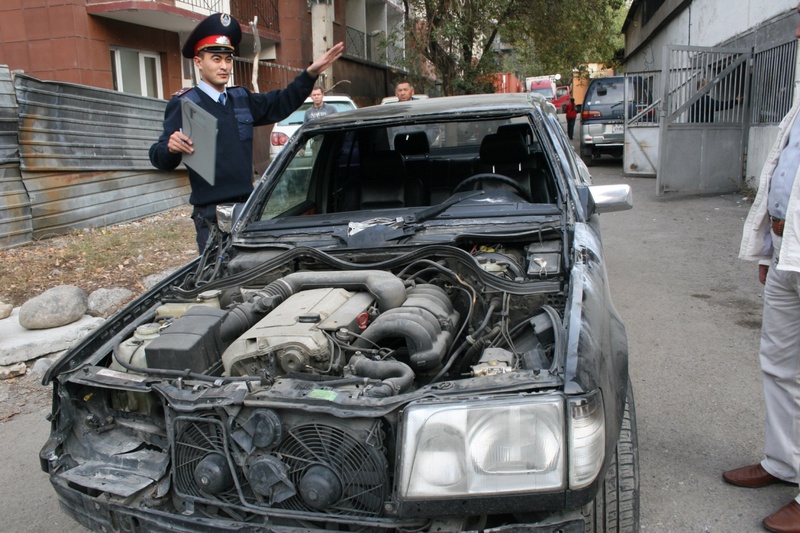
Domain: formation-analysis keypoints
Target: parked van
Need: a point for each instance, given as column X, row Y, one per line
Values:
column 603, row 114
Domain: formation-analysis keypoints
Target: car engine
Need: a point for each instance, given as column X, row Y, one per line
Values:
column 388, row 332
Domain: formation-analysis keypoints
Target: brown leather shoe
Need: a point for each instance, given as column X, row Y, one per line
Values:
column 784, row 520
column 752, row 477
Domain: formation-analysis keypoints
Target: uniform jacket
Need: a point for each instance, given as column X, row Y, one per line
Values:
column 756, row 237
column 235, row 121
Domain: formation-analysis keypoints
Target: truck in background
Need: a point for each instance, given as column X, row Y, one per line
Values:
column 546, row 86
column 563, row 94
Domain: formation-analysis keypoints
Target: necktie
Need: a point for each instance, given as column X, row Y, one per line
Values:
column 222, row 98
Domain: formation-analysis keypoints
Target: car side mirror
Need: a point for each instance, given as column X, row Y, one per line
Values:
column 227, row 216
column 611, row 198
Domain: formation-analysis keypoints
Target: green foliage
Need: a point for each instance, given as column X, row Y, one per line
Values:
column 458, row 38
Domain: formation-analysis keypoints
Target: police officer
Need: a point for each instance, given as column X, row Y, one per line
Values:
column 237, row 110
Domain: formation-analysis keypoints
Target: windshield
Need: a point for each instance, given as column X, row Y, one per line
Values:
column 296, row 118
column 608, row 91
column 547, row 92
column 395, row 167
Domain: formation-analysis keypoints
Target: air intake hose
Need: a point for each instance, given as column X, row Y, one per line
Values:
column 388, row 289
column 396, row 377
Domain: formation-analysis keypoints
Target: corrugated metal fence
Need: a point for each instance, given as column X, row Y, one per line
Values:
column 82, row 156
column 15, row 209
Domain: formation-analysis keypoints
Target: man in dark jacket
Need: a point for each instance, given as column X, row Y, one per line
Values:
column 704, row 109
column 237, row 110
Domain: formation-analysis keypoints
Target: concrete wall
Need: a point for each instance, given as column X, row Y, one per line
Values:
column 700, row 23
column 710, row 23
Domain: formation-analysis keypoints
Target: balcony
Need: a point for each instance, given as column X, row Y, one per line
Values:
column 181, row 16
column 373, row 47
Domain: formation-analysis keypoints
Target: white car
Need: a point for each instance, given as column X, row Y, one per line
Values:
column 283, row 130
column 393, row 99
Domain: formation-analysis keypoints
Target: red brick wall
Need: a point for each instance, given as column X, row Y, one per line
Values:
column 294, row 49
column 57, row 40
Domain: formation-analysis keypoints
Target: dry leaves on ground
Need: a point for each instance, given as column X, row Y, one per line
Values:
column 115, row 256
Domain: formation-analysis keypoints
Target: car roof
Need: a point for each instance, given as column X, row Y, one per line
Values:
column 469, row 105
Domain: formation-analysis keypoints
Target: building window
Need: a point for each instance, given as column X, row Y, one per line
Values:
column 137, row 72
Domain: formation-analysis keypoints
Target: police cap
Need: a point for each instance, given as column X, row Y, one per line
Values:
column 217, row 33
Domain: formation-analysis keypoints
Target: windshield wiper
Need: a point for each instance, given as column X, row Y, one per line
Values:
column 434, row 210
column 376, row 231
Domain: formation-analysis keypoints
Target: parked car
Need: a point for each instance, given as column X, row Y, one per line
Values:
column 283, row 130
column 388, row 336
column 603, row 114
column 394, row 99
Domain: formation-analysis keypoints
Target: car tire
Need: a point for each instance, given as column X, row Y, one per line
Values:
column 615, row 509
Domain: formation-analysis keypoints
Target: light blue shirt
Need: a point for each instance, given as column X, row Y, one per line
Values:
column 211, row 91
column 780, row 186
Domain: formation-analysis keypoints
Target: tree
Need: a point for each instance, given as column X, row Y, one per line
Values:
column 457, row 36
column 559, row 36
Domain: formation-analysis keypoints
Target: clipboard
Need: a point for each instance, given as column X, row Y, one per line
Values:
column 201, row 127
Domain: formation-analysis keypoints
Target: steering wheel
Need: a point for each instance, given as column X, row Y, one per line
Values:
column 491, row 176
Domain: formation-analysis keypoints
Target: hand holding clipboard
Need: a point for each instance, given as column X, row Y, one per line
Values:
column 200, row 126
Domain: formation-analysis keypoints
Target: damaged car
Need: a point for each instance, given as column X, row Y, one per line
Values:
column 407, row 327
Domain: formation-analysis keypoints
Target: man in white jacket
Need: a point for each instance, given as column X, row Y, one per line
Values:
column 771, row 236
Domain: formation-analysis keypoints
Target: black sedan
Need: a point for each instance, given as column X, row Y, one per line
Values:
column 407, row 327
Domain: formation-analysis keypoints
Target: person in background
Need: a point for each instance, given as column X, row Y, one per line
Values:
column 211, row 46
column 404, row 91
column 705, row 107
column 572, row 113
column 319, row 107
column 771, row 236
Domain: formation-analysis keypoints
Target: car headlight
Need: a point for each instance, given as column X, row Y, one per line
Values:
column 587, row 439
column 490, row 446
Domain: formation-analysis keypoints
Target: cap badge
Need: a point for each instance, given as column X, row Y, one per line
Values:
column 225, row 19
column 222, row 39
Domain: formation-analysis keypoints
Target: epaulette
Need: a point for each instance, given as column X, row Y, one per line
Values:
column 182, row 92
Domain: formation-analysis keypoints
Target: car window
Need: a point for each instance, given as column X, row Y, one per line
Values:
column 289, row 196
column 296, row 118
column 544, row 91
column 606, row 92
column 326, row 173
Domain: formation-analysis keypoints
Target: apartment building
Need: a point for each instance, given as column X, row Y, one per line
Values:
column 133, row 46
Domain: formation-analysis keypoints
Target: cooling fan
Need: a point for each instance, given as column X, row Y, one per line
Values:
column 201, row 464
column 334, row 471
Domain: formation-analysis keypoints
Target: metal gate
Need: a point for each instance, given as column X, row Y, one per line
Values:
column 641, row 123
column 703, row 120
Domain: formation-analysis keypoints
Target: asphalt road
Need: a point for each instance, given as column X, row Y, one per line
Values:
column 692, row 311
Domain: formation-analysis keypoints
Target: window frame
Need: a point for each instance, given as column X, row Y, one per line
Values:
column 142, row 56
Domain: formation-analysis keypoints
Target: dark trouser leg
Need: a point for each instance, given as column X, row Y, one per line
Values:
column 202, row 217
